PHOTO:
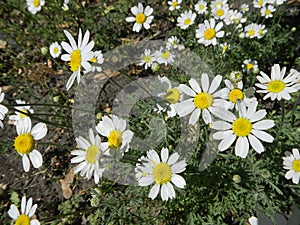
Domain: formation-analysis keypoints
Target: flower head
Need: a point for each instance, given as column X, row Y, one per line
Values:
column 164, row 56
column 20, row 115
column 250, row 66
column 147, row 58
column 278, row 86
column 259, row 3
column 266, row 11
column 209, row 31
column 27, row 211
column 142, row 18
column 26, row 140
column 78, row 55
column 98, row 58
column 55, row 50
column 174, row 4
column 3, row 109
column 186, row 19
column 203, row 99
column 292, row 163
column 163, row 172
column 168, row 97
column 91, row 156
column 118, row 138
column 251, row 30
column 35, row 5
column 201, row 7
column 244, row 8
column 247, row 128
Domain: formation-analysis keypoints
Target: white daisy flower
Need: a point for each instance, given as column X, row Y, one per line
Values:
column 27, row 211
column 247, row 128
column 292, row 163
column 224, row 47
column 65, row 6
column 147, row 59
column 244, row 8
column 266, row 11
column 235, row 76
column 164, row 56
column 251, row 30
column 118, row 137
column 35, row 5
column 259, row 3
column 55, row 50
column 253, row 220
column 92, row 157
column 141, row 18
column 169, row 97
column 79, row 55
column 277, row 86
column 201, row 7
column 26, row 140
column 220, row 12
column 250, row 66
column 218, row 3
column 98, row 58
column 3, row 109
column 186, row 19
column 163, row 172
column 19, row 115
column 208, row 32
column 261, row 31
column 173, row 43
column 238, row 18
column 203, row 99
column 174, row 4
column 278, row 2
column 233, row 92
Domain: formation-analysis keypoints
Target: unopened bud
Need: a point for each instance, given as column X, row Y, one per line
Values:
column 155, row 67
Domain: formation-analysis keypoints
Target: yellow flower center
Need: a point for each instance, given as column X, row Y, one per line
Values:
column 36, row 3
column 201, row 7
column 235, row 94
column 165, row 55
column 93, row 60
column 22, row 115
column 209, row 34
column 268, row 12
column 296, row 165
column 55, row 50
column 224, row 48
column 75, row 60
column 115, row 139
column 203, row 100
column 249, row 66
column 260, row 2
column 242, row 127
column 172, row 95
column 91, row 154
column 24, row 143
column 147, row 59
column 260, row 31
column 187, row 21
column 276, row 86
column 162, row 173
column 23, row 220
column 140, row 18
column 220, row 12
column 251, row 32
column 174, row 4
